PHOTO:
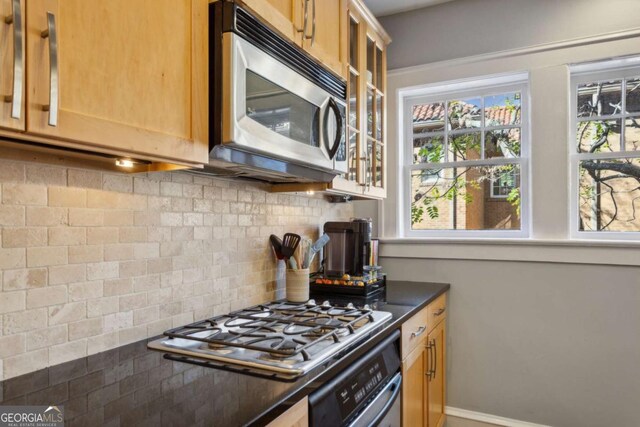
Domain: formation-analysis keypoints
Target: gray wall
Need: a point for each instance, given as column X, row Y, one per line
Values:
column 554, row 344
column 470, row 27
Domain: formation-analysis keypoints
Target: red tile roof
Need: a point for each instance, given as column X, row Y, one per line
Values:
column 501, row 115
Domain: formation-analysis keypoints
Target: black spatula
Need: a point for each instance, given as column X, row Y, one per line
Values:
column 290, row 244
column 276, row 243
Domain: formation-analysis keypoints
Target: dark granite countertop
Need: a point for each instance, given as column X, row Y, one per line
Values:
column 132, row 385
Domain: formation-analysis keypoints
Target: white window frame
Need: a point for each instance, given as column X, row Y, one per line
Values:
column 586, row 73
column 480, row 87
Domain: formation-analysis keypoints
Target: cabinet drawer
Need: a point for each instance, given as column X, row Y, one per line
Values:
column 437, row 311
column 414, row 331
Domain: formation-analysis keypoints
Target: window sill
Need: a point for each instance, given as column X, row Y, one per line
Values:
column 529, row 250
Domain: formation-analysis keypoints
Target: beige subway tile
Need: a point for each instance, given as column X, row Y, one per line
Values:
column 24, row 279
column 63, row 274
column 159, row 296
column 69, row 197
column 46, row 216
column 86, row 254
column 12, row 301
column 181, row 319
column 146, row 283
column 114, row 218
column 133, row 268
column 46, row 256
column 44, row 297
column 102, row 306
column 118, row 287
column 84, row 178
column 170, row 219
column 46, row 337
column 158, row 327
column 158, row 265
column 67, row 313
column 146, row 186
column 66, row 352
column 132, row 302
column 117, row 321
column 143, row 218
column 179, row 204
column 184, row 178
column 102, row 235
column 85, row 290
column 101, row 199
column 102, row 342
column 118, row 252
column 49, row 175
column 11, row 171
column 23, row 194
column 12, row 258
column 158, row 204
column 23, row 321
column 172, row 189
column 80, row 217
column 12, row 215
column 133, row 234
column 203, row 205
column 25, row 363
column 120, row 183
column 193, row 219
column 146, row 250
column 146, row 315
column 85, row 328
column 23, row 237
column 67, row 236
column 129, row 335
column 192, row 190
column 102, row 270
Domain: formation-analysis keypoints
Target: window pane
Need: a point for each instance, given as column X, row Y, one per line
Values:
column 502, row 143
column 378, row 68
column 633, row 95
column 598, row 136
column 599, row 99
column 632, row 134
column 465, row 114
column 428, row 117
column 428, row 149
column 371, row 54
column 369, row 112
column 465, row 146
column 502, row 110
column 609, row 196
column 377, row 176
column 379, row 100
column 353, row 100
column 460, row 199
column 353, row 158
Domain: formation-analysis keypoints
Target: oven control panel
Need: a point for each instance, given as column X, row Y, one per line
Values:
column 358, row 388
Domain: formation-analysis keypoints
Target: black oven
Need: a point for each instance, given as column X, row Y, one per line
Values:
column 367, row 393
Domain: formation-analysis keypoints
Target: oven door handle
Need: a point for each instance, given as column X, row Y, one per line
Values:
column 333, row 106
column 391, row 391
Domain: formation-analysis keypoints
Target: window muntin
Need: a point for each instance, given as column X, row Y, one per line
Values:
column 605, row 153
column 461, row 144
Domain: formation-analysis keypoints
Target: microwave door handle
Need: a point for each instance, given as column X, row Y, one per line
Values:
column 339, row 125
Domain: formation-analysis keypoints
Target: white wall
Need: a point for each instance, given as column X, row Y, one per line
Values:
column 546, row 329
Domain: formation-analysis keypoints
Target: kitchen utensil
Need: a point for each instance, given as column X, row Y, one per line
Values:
column 290, row 244
column 298, row 285
column 305, row 249
column 293, row 265
column 276, row 243
column 316, row 247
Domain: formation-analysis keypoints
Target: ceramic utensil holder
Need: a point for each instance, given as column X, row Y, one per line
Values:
column 298, row 285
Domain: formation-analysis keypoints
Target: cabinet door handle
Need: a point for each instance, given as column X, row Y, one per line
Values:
column 418, row 332
column 305, row 19
column 15, row 98
column 440, row 311
column 435, row 358
column 51, row 34
column 313, row 24
column 429, row 358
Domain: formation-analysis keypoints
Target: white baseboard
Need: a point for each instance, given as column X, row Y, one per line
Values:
column 488, row 418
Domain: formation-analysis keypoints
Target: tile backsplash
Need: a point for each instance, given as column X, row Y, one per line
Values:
column 93, row 260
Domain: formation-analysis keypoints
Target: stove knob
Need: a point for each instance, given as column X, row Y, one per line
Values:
column 311, row 303
column 350, row 306
column 326, row 304
column 366, row 307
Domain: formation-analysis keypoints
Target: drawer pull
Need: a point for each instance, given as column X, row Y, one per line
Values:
column 51, row 34
column 418, row 332
column 429, row 373
column 440, row 311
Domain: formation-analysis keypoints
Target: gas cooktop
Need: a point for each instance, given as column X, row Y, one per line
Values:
column 278, row 339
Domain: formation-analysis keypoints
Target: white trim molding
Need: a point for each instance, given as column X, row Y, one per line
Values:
column 488, row 418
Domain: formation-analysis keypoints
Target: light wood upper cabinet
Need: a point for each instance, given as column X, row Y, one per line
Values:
column 122, row 76
column 326, row 33
column 12, row 65
column 283, row 15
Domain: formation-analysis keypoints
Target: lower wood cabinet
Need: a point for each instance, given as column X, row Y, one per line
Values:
column 424, row 368
column 296, row 416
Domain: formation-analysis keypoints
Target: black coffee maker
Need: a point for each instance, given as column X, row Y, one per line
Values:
column 349, row 247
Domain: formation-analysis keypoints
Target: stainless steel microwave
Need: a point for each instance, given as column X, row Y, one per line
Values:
column 276, row 114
